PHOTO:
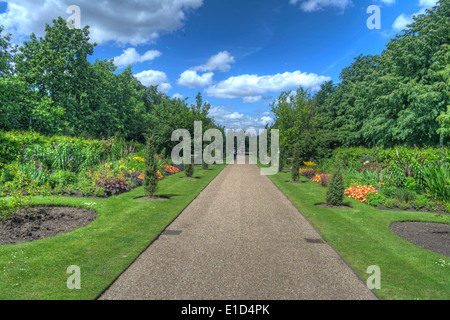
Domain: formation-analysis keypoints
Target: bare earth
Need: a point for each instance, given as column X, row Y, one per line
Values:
column 240, row 239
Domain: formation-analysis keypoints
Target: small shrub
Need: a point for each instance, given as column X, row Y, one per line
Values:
column 189, row 170
column 307, row 173
column 420, row 202
column 100, row 192
column 62, row 177
column 403, row 195
column 390, row 203
column 403, row 205
column 113, row 186
column 295, row 163
column 336, row 189
column 376, row 199
column 151, row 168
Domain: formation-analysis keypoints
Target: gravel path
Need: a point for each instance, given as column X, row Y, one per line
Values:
column 240, row 239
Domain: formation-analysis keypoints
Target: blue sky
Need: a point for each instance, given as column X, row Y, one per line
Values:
column 240, row 54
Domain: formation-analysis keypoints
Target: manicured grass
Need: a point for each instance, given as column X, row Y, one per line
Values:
column 103, row 249
column 363, row 238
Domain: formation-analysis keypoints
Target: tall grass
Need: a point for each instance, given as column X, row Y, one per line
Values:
column 437, row 180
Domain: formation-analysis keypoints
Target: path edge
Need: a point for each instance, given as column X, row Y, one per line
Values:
column 157, row 237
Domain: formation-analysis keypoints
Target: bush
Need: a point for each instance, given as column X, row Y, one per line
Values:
column 189, row 170
column 390, row 203
column 151, row 168
column 420, row 202
column 112, row 187
column 295, row 163
column 62, row 177
column 335, row 193
column 376, row 199
column 437, row 180
column 403, row 195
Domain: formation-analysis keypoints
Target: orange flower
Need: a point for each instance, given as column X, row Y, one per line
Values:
column 359, row 192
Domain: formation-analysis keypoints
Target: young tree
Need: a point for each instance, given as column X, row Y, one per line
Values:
column 151, row 167
column 336, row 189
column 296, row 163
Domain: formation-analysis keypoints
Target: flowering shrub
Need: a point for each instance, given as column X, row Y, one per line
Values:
column 158, row 174
column 113, row 186
column 171, row 169
column 308, row 173
column 309, row 164
column 322, row 179
column 360, row 193
column 368, row 166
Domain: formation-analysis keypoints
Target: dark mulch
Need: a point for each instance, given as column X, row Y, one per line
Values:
column 439, row 209
column 43, row 222
column 296, row 181
column 431, row 236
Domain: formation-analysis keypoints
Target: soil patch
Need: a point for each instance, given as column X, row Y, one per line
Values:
column 431, row 236
column 439, row 210
column 43, row 222
column 324, row 205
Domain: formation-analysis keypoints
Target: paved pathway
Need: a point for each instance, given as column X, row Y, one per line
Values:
column 241, row 239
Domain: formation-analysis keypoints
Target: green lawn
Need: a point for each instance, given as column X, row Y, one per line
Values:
column 103, row 249
column 363, row 238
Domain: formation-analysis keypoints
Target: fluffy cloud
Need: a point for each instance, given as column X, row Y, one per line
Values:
column 221, row 61
column 192, row 79
column 253, row 87
column 125, row 22
column 154, row 78
column 316, row 5
column 403, row 20
column 131, row 56
column 231, row 119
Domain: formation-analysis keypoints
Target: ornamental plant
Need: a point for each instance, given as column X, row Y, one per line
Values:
column 360, row 192
column 336, row 189
column 322, row 178
column 307, row 173
column 296, row 163
column 151, row 166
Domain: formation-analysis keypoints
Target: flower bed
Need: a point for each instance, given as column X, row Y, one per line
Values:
column 360, row 192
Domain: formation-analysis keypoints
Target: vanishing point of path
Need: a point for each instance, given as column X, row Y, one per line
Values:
column 241, row 239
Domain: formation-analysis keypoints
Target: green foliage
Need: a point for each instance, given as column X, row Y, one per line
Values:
column 189, row 170
column 295, row 163
column 336, row 189
column 437, row 179
column 62, row 177
column 391, row 203
column 150, row 175
column 420, row 202
column 396, row 176
column 20, row 192
column 376, row 199
column 404, row 195
column 403, row 205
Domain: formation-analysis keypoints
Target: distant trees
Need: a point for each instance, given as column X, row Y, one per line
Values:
column 54, row 89
column 397, row 98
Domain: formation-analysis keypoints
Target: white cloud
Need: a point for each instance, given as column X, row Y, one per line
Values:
column 192, row 79
column 231, row 119
column 124, row 22
column 316, row 5
column 403, row 20
column 177, row 96
column 221, row 61
column 250, row 87
column 154, row 78
column 131, row 56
